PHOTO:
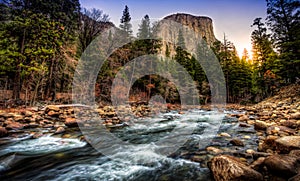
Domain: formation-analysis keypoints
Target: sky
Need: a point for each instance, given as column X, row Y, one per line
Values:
column 230, row 17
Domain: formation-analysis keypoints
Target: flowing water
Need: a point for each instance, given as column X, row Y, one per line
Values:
column 54, row 158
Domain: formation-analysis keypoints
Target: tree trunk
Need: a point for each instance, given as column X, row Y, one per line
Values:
column 17, row 84
column 49, row 91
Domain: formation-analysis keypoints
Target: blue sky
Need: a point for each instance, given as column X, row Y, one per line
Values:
column 232, row 17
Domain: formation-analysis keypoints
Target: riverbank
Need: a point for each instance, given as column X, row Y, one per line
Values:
column 277, row 124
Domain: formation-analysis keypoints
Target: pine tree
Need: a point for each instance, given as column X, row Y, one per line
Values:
column 245, row 55
column 284, row 21
column 144, row 31
column 125, row 22
column 237, row 72
column 262, row 50
column 261, row 44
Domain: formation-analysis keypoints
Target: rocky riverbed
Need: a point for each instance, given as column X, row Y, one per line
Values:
column 259, row 142
column 277, row 124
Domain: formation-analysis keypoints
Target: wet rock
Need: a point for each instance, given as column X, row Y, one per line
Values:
column 287, row 143
column 181, row 112
column 60, row 130
column 237, row 142
column 3, row 132
column 243, row 118
column 225, row 135
column 37, row 135
column 214, row 150
column 227, row 168
column 250, row 151
column 71, row 122
column 244, row 125
column 247, row 137
column 281, row 165
column 260, row 125
column 197, row 158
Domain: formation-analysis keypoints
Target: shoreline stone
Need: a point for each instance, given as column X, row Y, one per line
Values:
column 227, row 168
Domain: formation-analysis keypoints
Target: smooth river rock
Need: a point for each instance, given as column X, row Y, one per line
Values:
column 282, row 165
column 287, row 143
column 228, row 168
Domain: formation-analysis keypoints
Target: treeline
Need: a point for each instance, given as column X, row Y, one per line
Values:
column 35, row 39
column 41, row 42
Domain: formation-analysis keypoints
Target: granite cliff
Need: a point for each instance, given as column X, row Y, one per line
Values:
column 194, row 29
column 199, row 24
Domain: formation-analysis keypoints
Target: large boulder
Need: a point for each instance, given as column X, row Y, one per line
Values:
column 282, row 165
column 287, row 143
column 228, row 168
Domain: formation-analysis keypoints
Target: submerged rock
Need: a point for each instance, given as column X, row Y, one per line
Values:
column 228, row 168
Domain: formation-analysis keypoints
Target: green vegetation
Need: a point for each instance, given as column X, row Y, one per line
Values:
column 41, row 41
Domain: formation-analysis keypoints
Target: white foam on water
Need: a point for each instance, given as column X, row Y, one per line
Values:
column 44, row 144
column 122, row 166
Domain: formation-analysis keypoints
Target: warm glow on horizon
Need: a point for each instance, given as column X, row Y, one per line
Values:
column 240, row 51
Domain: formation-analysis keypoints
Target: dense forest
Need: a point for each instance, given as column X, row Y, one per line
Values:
column 42, row 41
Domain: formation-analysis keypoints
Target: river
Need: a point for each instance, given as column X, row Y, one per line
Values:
column 52, row 157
